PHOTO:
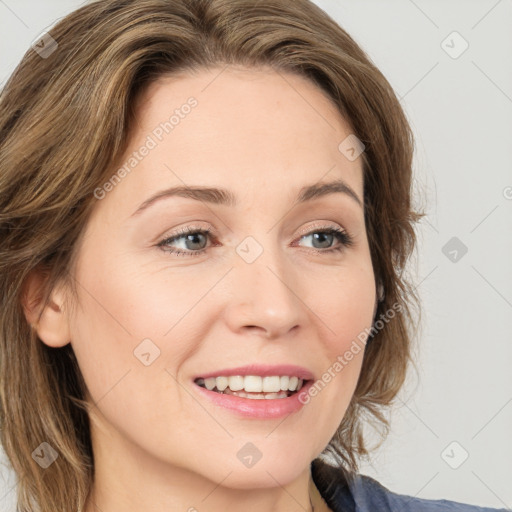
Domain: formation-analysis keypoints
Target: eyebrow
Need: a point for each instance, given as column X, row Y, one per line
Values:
column 225, row 197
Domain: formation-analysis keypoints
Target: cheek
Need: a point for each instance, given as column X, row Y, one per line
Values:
column 346, row 306
column 114, row 317
column 118, row 339
column 131, row 315
column 344, row 312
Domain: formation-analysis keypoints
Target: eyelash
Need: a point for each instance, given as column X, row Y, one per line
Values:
column 343, row 237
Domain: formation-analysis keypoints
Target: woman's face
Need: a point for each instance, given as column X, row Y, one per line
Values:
column 265, row 287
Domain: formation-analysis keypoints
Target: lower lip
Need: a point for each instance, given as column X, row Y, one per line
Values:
column 264, row 408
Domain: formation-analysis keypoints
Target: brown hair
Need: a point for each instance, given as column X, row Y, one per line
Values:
column 64, row 122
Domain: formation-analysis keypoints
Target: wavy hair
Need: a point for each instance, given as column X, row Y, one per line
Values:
column 65, row 121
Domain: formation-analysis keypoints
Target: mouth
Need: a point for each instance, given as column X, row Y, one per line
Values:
column 254, row 387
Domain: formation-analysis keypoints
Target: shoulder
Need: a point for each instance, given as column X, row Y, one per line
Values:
column 345, row 492
column 370, row 495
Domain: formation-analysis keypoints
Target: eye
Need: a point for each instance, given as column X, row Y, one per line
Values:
column 326, row 236
column 193, row 240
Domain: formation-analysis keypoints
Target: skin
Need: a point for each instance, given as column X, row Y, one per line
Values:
column 263, row 135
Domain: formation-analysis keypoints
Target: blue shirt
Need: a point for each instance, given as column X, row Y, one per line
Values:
column 364, row 494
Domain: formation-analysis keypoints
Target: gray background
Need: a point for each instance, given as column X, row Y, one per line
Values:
column 459, row 403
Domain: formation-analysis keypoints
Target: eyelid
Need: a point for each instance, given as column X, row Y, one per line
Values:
column 185, row 230
column 191, row 228
column 321, row 225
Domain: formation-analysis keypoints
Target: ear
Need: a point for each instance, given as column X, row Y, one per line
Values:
column 379, row 296
column 380, row 291
column 53, row 327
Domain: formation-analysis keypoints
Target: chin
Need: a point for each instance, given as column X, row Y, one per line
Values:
column 276, row 467
column 266, row 475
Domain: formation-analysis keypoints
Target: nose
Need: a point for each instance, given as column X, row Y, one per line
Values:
column 265, row 296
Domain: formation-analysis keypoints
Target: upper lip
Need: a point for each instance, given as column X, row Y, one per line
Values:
column 262, row 370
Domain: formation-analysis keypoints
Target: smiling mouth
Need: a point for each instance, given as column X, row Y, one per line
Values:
column 253, row 386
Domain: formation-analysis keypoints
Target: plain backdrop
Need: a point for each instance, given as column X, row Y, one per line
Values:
column 449, row 63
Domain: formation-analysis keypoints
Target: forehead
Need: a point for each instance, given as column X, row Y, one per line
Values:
column 259, row 132
column 235, row 97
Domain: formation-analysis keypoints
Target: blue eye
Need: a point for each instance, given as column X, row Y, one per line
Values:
column 342, row 236
column 189, row 235
column 191, row 238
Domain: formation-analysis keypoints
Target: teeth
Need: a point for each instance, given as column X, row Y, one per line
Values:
column 281, row 394
column 271, row 384
column 210, row 383
column 222, row 383
column 292, row 386
column 253, row 384
column 236, row 382
column 257, row 396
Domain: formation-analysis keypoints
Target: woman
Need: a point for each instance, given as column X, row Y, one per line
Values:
column 206, row 216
